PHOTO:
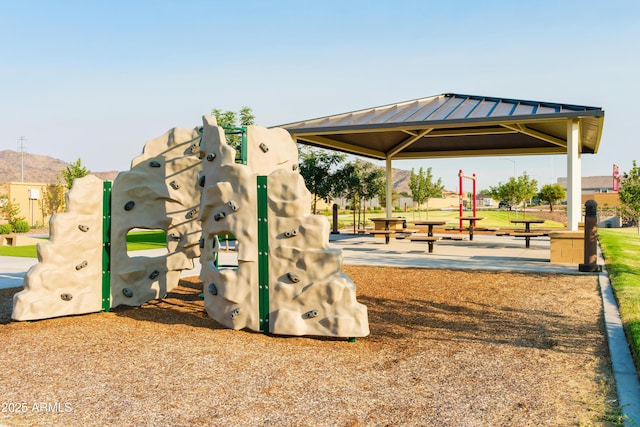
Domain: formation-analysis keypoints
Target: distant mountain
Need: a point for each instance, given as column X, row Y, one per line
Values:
column 401, row 179
column 37, row 168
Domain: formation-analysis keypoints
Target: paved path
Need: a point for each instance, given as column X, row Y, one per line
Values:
column 485, row 252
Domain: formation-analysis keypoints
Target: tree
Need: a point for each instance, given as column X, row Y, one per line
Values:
column 72, row 171
column 359, row 181
column 629, row 194
column 10, row 210
column 229, row 119
column 317, row 167
column 516, row 190
column 246, row 116
column 53, row 200
column 395, row 197
column 417, row 188
column 424, row 188
column 552, row 193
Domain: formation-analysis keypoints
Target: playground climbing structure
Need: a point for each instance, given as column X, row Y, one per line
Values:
column 198, row 189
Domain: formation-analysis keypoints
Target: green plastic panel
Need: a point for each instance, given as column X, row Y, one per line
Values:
column 106, row 246
column 263, row 255
column 233, row 132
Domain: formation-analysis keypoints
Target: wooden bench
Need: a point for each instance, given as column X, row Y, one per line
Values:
column 527, row 236
column 431, row 240
column 453, row 237
column 404, row 233
column 386, row 233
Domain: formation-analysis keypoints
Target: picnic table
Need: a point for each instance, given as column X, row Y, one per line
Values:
column 527, row 223
column 472, row 223
column 387, row 231
column 429, row 224
column 429, row 238
column 388, row 222
column 527, row 234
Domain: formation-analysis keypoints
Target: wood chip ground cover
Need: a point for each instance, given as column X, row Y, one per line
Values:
column 447, row 348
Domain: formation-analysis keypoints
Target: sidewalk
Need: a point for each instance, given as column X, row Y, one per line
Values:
column 485, row 252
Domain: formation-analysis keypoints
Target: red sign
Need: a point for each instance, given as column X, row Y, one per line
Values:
column 616, row 178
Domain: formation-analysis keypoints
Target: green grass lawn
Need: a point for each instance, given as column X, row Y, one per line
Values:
column 136, row 241
column 621, row 249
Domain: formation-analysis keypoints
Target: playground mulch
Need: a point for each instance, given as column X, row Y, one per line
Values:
column 447, row 348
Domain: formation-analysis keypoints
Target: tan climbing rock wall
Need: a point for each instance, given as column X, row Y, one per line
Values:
column 161, row 191
column 187, row 183
column 68, row 278
column 228, row 206
column 308, row 293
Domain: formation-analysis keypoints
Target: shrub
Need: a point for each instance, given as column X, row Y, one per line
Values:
column 21, row 226
column 5, row 228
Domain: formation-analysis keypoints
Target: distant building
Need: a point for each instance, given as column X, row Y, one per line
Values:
column 598, row 188
column 28, row 196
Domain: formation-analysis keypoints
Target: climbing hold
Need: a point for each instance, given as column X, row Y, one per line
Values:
column 202, row 180
column 233, row 205
column 192, row 213
column 83, row 228
column 154, row 274
column 127, row 292
column 264, row 147
column 174, row 185
column 66, row 297
column 235, row 312
column 219, row 216
column 129, row 205
column 294, row 167
column 82, row 265
column 174, row 236
column 293, row 277
column 291, row 233
column 154, row 164
column 200, row 129
column 212, row 289
column 195, row 147
column 310, row 314
column 211, row 157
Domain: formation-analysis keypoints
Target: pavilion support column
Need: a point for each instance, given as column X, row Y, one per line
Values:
column 389, row 207
column 574, row 176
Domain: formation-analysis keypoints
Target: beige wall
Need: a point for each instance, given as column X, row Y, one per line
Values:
column 602, row 199
column 18, row 193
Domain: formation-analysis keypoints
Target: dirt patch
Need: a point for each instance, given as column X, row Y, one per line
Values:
column 447, row 348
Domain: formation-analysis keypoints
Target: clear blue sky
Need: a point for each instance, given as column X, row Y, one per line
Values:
column 96, row 79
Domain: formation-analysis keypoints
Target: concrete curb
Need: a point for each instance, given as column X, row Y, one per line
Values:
column 624, row 371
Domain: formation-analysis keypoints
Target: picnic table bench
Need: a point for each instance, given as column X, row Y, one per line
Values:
column 431, row 240
column 527, row 233
column 453, row 237
column 527, row 236
column 405, row 232
column 386, row 233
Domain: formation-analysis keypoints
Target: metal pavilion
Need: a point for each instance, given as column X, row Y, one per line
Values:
column 454, row 125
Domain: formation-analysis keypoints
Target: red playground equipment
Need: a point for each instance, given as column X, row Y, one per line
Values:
column 473, row 178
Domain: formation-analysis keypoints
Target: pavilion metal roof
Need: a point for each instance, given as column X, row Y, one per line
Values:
column 453, row 125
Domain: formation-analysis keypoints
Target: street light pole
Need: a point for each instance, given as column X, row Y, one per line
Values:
column 21, row 141
column 514, row 165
